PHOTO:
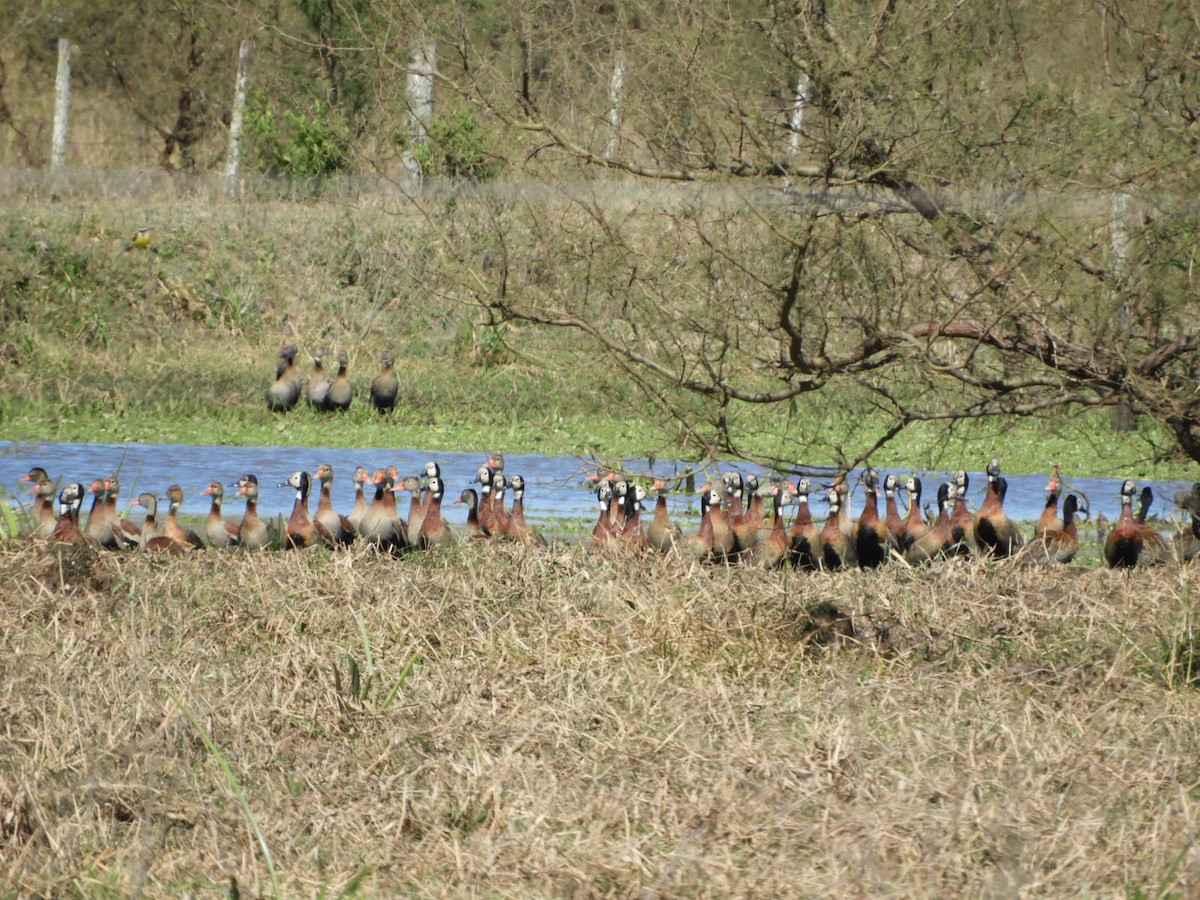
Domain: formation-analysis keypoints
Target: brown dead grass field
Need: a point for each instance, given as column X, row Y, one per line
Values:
column 503, row 721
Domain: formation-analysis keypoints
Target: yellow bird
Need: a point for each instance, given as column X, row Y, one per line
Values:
column 141, row 240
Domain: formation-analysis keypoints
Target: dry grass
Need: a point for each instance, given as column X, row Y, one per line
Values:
column 510, row 722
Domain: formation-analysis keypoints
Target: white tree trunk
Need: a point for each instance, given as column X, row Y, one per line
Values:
column 233, row 169
column 796, row 114
column 420, row 103
column 615, row 87
column 62, row 101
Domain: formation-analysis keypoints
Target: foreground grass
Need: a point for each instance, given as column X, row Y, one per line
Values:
column 511, row 722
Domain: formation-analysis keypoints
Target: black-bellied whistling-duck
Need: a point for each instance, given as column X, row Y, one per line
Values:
column 804, row 537
column 385, row 386
column 284, row 392
column 435, row 531
column 837, row 549
column 341, row 391
column 221, row 535
column 301, row 531
column 519, row 528
column 152, row 539
column 872, row 541
column 604, row 531
column 317, row 392
column 698, row 547
column 476, row 530
column 962, row 523
column 360, row 477
column 1124, row 541
column 915, row 526
column 43, row 502
column 339, row 527
column 253, row 532
column 891, row 519
column 663, row 534
column 1059, row 544
column 995, row 532
column 184, row 537
column 1049, row 520
column 770, row 550
column 937, row 540
column 66, row 526
column 1155, row 549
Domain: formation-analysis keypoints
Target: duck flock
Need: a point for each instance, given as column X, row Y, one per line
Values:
column 741, row 521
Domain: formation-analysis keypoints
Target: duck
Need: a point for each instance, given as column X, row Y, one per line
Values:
column 341, row 391
column 127, row 534
column 604, row 531
column 632, row 535
column 662, row 534
column 184, row 537
column 891, row 519
column 99, row 524
column 937, row 539
column 752, row 523
column 66, row 526
column 770, row 550
column 476, row 530
column 152, row 539
column 837, row 549
column 724, row 541
column 698, row 547
column 284, row 392
column 1124, row 542
column 253, row 532
column 381, row 526
column 43, row 502
column 435, row 531
column 483, row 477
column 1155, row 549
column 301, row 531
column 317, row 393
column 222, row 535
column 915, row 526
column 416, row 506
column 520, row 529
column 385, row 386
column 962, row 523
column 1049, row 520
column 1187, row 545
column 339, row 528
column 872, row 541
column 995, row 533
column 360, row 477
column 1059, row 544
column 501, row 523
column 804, row 537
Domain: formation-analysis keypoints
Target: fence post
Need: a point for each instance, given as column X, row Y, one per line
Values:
column 232, row 170
column 62, row 100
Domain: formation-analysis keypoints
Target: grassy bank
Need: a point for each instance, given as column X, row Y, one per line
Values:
column 501, row 721
column 177, row 345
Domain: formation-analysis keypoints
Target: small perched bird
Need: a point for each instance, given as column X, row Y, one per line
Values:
column 139, row 241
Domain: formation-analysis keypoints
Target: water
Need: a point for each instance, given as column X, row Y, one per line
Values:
column 555, row 495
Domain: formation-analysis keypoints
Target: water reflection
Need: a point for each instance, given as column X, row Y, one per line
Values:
column 556, row 496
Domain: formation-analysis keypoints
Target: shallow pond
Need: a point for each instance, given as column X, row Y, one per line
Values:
column 556, row 496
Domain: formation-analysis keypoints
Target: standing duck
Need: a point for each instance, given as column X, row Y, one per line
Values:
column 1124, row 542
column 66, row 526
column 476, row 530
column 100, row 523
column 385, row 386
column 872, row 541
column 341, row 391
column 1155, row 549
column 837, row 550
column 698, row 547
column 771, row 550
column 221, row 535
column 184, row 537
column 962, row 523
column 663, row 534
column 152, row 539
column 43, row 502
column 724, row 540
column 360, row 477
column 435, row 531
column 416, row 507
column 520, row 529
column 253, row 532
column 301, row 531
column 632, row 534
column 338, row 527
column 804, row 538
column 318, row 383
column 603, row 532
column 995, row 532
column 1059, row 544
column 283, row 394
column 891, row 519
column 915, row 526
column 937, row 540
